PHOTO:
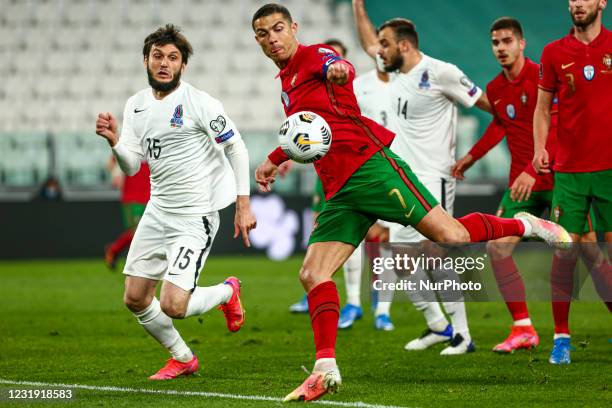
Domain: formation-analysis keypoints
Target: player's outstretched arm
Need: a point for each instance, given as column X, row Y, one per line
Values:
column 484, row 104
column 365, row 28
column 541, row 126
column 491, row 138
column 129, row 161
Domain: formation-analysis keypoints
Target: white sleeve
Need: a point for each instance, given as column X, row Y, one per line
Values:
column 128, row 150
column 457, row 86
column 224, row 132
column 217, row 124
column 238, row 156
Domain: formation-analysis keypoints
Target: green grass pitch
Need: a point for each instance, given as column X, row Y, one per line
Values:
column 64, row 322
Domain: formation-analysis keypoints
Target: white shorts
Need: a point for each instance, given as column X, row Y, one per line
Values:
column 171, row 247
column 444, row 191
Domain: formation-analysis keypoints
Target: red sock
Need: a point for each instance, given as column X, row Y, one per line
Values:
column 122, row 242
column 324, row 308
column 511, row 286
column 486, row 227
column 602, row 280
column 562, row 286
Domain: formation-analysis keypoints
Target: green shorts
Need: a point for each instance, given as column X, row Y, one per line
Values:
column 383, row 188
column 538, row 203
column 575, row 193
column 132, row 213
column 318, row 197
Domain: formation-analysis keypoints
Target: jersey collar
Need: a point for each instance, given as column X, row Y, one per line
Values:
column 291, row 61
column 597, row 42
column 521, row 74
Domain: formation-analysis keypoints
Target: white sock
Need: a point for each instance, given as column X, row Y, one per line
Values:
column 160, row 327
column 523, row 322
column 561, row 336
column 205, row 298
column 384, row 307
column 325, row 364
column 458, row 316
column 352, row 277
column 426, row 302
column 528, row 227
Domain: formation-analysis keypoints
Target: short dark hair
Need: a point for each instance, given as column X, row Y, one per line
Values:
column 333, row 42
column 269, row 9
column 508, row 23
column 403, row 29
column 168, row 34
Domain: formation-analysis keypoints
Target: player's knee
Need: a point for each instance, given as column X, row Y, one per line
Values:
column 307, row 277
column 135, row 303
column 173, row 309
column 456, row 235
column 498, row 250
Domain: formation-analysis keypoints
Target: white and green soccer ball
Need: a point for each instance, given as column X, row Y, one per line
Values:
column 305, row 137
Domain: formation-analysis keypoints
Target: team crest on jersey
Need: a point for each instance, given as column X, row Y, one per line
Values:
column 589, row 72
column 511, row 111
column 177, row 117
column 607, row 61
column 557, row 213
column 293, row 80
column 285, row 99
column 424, row 84
column 524, row 98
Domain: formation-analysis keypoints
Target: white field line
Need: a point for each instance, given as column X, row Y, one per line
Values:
column 188, row 393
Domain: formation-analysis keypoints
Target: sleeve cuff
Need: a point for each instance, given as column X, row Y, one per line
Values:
column 531, row 171
column 278, row 157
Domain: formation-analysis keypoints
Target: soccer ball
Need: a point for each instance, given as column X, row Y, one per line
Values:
column 305, row 137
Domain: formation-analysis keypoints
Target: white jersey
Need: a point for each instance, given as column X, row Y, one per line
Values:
column 424, row 115
column 181, row 137
column 372, row 97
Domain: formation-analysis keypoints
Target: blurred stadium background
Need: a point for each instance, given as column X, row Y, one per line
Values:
column 66, row 60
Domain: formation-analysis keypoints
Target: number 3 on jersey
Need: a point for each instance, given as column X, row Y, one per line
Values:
column 153, row 148
column 402, row 108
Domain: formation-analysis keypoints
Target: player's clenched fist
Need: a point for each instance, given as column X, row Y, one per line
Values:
column 338, row 72
column 106, row 126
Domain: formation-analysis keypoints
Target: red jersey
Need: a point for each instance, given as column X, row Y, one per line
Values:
column 355, row 138
column 513, row 105
column 137, row 188
column 581, row 75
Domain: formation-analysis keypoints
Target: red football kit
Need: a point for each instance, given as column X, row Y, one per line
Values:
column 513, row 105
column 581, row 75
column 355, row 138
column 137, row 188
